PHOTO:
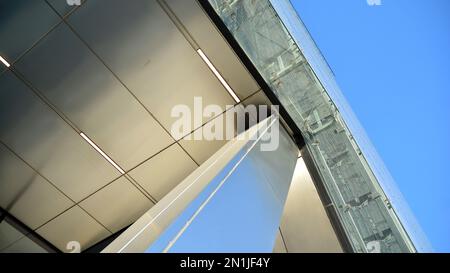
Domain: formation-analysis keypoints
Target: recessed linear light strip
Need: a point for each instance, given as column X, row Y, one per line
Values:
column 221, row 79
column 4, row 61
column 101, row 152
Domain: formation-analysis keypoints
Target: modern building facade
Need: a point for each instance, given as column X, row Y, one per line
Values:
column 89, row 160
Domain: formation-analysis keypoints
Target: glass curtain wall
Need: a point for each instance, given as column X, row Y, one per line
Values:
column 362, row 206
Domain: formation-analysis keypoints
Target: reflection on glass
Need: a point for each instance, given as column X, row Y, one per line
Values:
column 241, row 208
column 232, row 203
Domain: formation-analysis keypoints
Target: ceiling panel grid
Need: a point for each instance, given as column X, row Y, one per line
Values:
column 113, row 72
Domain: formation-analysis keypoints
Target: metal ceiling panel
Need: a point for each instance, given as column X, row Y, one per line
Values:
column 25, row 194
column 22, row 23
column 74, row 225
column 76, row 81
column 24, row 245
column 201, row 150
column 117, row 205
column 46, row 142
column 154, row 176
column 144, row 48
column 8, row 235
column 212, row 43
column 62, row 7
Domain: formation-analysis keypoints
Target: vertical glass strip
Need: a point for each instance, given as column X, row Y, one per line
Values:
column 366, row 213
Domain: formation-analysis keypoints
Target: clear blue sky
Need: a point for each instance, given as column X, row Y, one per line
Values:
column 392, row 63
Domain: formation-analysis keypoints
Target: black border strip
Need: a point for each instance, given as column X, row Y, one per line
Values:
column 209, row 10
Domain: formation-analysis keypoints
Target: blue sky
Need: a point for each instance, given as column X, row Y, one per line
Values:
column 392, row 63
